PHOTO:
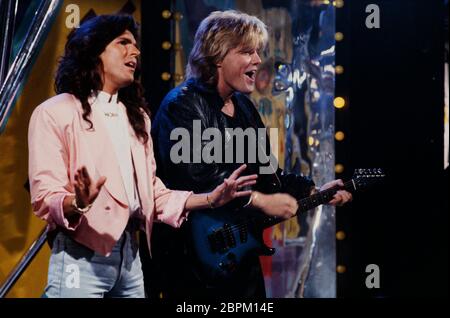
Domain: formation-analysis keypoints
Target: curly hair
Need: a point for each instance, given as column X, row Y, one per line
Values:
column 79, row 69
column 219, row 33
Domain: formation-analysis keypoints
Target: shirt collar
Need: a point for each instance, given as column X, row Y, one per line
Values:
column 107, row 98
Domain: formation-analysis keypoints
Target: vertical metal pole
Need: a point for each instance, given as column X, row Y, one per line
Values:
column 23, row 264
column 8, row 9
column 23, row 61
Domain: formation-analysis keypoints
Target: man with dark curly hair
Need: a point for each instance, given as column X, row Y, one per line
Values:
column 92, row 168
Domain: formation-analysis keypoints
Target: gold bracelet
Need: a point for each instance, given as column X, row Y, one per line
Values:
column 211, row 205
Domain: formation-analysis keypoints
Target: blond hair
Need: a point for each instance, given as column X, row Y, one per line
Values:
column 219, row 33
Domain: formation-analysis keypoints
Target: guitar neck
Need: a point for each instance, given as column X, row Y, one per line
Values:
column 312, row 201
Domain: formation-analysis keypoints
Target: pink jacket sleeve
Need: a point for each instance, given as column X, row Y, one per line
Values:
column 169, row 204
column 48, row 169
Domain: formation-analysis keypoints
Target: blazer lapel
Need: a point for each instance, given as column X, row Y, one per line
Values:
column 102, row 152
column 140, row 165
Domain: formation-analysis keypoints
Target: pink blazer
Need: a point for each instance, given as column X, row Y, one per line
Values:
column 59, row 142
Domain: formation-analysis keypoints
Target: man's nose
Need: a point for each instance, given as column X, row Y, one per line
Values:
column 256, row 59
column 135, row 51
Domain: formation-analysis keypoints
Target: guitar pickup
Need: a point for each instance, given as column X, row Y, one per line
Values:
column 222, row 239
column 217, row 241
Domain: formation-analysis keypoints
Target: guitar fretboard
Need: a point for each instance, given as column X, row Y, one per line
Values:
column 313, row 201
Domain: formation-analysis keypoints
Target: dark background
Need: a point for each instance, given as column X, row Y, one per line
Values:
column 393, row 83
column 393, row 119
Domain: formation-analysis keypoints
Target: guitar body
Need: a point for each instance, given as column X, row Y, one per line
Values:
column 220, row 240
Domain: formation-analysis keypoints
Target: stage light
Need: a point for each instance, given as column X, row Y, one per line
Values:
column 340, row 235
column 166, row 45
column 341, row 269
column 178, row 77
column 166, row 14
column 339, row 168
column 339, row 135
column 165, row 76
column 338, row 3
column 339, row 102
column 339, row 69
column 177, row 16
column 339, row 36
column 177, row 46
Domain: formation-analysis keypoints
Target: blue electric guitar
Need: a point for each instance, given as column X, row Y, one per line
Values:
column 220, row 240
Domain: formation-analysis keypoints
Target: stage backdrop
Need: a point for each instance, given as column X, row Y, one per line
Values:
column 18, row 226
column 294, row 93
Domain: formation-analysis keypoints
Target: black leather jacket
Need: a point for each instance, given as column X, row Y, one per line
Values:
column 193, row 100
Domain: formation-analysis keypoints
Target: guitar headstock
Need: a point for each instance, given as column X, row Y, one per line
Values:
column 363, row 178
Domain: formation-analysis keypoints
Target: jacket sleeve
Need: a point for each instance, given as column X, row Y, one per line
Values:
column 169, row 204
column 48, row 170
column 296, row 185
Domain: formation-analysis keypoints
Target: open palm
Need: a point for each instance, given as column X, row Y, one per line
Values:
column 86, row 191
column 231, row 187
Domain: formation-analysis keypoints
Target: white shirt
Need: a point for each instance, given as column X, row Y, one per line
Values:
column 115, row 119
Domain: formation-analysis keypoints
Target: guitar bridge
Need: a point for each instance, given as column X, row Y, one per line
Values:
column 243, row 234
